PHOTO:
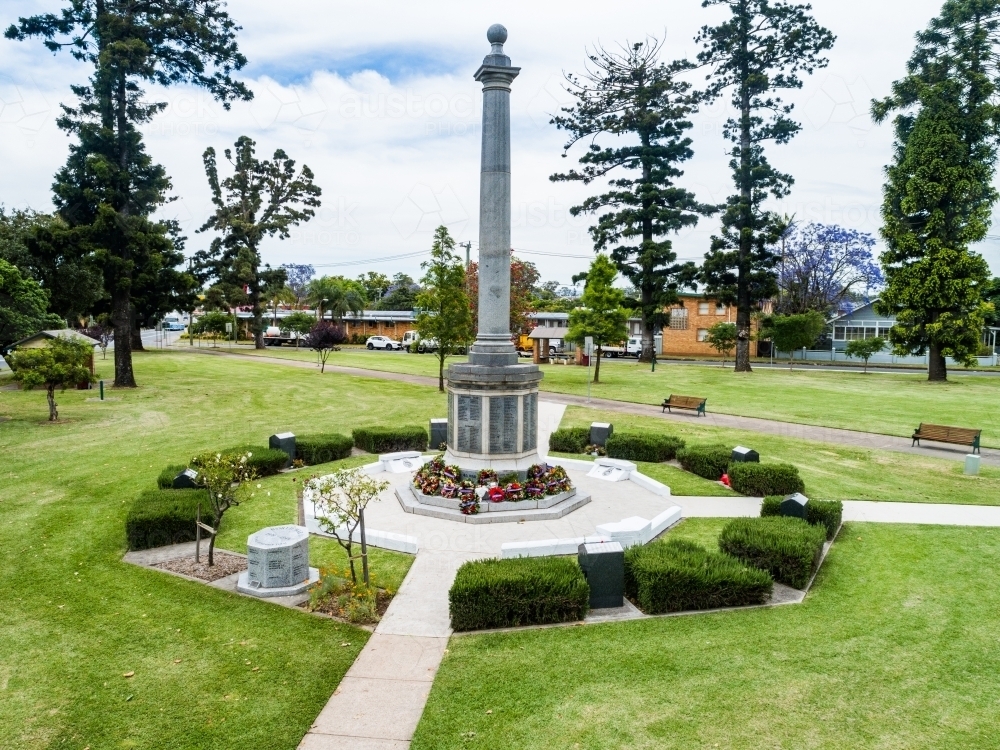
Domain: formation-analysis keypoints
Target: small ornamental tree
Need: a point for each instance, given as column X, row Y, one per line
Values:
column 227, row 480
column 864, row 348
column 791, row 332
column 445, row 314
column 59, row 364
column 341, row 499
column 299, row 323
column 324, row 337
column 722, row 338
column 213, row 323
column 602, row 315
column 103, row 332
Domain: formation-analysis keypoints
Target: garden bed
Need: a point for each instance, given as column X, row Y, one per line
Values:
column 487, row 506
column 226, row 563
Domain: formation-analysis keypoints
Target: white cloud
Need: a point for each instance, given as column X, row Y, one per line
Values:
column 378, row 99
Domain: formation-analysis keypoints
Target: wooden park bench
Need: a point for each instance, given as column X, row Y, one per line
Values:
column 694, row 403
column 942, row 434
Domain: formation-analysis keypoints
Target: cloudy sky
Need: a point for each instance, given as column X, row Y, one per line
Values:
column 378, row 99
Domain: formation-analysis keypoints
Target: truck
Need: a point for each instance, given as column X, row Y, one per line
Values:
column 274, row 336
column 632, row 347
column 413, row 343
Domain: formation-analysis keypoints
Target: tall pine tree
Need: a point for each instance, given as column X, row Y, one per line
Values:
column 939, row 194
column 110, row 186
column 760, row 49
column 630, row 95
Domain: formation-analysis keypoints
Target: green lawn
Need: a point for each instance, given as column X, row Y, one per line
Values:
column 892, row 404
column 830, row 472
column 74, row 618
column 894, row 647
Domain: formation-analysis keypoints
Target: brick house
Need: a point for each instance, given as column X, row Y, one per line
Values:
column 690, row 318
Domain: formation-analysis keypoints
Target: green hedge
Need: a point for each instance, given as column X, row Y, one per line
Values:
column 166, row 479
column 520, row 591
column 643, row 446
column 829, row 513
column 787, row 548
column 761, row 480
column 391, row 439
column 708, row 461
column 161, row 517
column 570, row 440
column 321, row 449
column 677, row 575
column 264, row 461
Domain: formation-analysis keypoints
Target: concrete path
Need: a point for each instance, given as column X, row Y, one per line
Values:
column 869, row 440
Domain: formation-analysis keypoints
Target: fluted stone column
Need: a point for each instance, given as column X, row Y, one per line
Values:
column 493, row 400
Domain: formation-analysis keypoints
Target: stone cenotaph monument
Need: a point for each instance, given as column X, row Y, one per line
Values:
column 493, row 400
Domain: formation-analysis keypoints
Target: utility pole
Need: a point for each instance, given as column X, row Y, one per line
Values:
column 468, row 249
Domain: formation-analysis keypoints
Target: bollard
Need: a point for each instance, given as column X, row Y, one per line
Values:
column 102, row 390
column 972, row 465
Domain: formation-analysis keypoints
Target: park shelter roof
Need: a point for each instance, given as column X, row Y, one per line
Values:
column 41, row 337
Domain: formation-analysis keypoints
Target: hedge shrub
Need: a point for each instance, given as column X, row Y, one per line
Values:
column 520, row 591
column 161, row 517
column 677, row 575
column 570, row 440
column 264, row 461
column 708, row 461
column 321, row 449
column 829, row 513
column 166, row 479
column 787, row 548
column 391, row 439
column 643, row 446
column 761, row 480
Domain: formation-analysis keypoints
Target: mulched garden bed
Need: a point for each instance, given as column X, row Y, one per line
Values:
column 225, row 564
column 329, row 606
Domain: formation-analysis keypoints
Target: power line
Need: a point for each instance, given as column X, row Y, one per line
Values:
column 365, row 261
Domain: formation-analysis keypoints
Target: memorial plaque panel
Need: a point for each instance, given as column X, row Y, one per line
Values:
column 470, row 424
column 530, row 436
column 277, row 557
column 503, row 424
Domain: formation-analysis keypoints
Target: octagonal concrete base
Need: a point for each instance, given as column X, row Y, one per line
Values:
column 244, row 587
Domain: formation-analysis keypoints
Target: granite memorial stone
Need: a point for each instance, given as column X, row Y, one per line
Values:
column 283, row 441
column 278, row 557
column 600, row 432
column 794, row 505
column 439, row 433
column 186, row 480
column 744, row 455
column 603, row 565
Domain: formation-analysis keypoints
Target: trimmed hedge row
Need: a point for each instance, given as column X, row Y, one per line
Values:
column 761, row 480
column 166, row 479
column 161, row 517
column 264, row 461
column 521, row 591
column 643, row 446
column 827, row 513
column 321, row 449
column 787, row 548
column 677, row 575
column 391, row 439
column 708, row 461
column 570, row 440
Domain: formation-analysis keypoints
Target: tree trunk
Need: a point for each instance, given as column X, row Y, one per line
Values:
column 50, row 395
column 364, row 547
column 746, row 209
column 211, row 547
column 137, row 339
column 441, row 358
column 937, row 370
column 258, row 317
column 122, row 318
column 597, row 367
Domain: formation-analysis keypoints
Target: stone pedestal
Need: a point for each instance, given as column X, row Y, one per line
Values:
column 277, row 562
column 283, row 441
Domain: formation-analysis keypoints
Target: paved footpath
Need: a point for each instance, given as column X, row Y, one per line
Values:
column 868, row 440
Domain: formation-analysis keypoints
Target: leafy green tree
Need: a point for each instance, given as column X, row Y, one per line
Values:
column 110, row 187
column 22, row 306
column 41, row 248
column 263, row 198
column 338, row 295
column 445, row 313
column 213, row 323
column 376, row 285
column 636, row 102
column 762, row 48
column 401, row 294
column 601, row 314
column 59, row 364
column 865, row 348
column 991, row 295
column 939, row 194
column 161, row 285
column 791, row 332
column 299, row 323
column 228, row 481
column 722, row 338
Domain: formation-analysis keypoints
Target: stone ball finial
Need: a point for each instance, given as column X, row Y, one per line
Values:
column 497, row 34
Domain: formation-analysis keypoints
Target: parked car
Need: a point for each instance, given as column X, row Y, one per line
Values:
column 383, row 342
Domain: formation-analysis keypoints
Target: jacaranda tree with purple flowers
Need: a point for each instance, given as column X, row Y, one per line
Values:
column 825, row 267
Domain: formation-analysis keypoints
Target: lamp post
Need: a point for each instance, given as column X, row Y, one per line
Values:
column 319, row 312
